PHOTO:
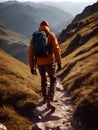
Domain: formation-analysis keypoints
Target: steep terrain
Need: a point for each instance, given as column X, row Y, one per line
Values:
column 14, row 44
column 75, row 26
column 18, row 93
column 87, row 12
column 19, row 90
column 80, row 68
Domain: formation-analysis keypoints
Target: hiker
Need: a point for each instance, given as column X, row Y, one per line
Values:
column 46, row 64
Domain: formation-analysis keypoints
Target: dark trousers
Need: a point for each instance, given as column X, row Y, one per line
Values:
column 50, row 70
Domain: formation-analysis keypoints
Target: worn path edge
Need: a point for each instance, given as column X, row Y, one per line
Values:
column 62, row 118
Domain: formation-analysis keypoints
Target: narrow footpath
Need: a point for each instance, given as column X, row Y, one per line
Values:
column 62, row 118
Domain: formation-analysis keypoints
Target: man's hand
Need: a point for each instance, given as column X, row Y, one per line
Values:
column 59, row 67
column 33, row 71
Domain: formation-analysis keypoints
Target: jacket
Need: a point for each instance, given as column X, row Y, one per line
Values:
column 52, row 40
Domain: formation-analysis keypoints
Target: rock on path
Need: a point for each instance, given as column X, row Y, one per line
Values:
column 62, row 118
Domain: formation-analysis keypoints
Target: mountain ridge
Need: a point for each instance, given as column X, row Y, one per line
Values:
column 74, row 9
column 76, row 24
column 86, row 12
column 28, row 16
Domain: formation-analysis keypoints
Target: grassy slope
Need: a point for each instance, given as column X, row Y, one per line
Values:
column 11, row 37
column 80, row 74
column 14, row 44
column 18, row 93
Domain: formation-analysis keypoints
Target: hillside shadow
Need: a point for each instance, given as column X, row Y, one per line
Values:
column 87, row 114
column 73, row 45
column 79, row 41
column 49, row 117
column 25, row 109
column 43, row 114
column 69, row 50
column 84, row 51
column 78, row 82
column 68, row 69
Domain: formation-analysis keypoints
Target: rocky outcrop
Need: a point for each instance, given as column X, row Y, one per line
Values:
column 64, row 36
column 67, row 33
column 79, row 40
column 70, row 31
column 85, row 38
column 77, row 25
column 86, row 12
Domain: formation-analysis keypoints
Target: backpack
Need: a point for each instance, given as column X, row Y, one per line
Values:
column 40, row 44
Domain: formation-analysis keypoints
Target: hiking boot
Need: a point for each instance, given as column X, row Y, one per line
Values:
column 50, row 106
column 48, row 103
column 52, row 109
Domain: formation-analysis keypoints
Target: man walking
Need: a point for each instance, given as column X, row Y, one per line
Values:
column 46, row 63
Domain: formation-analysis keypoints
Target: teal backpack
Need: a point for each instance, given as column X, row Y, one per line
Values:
column 40, row 44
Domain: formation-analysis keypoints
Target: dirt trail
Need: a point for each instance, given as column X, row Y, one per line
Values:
column 62, row 118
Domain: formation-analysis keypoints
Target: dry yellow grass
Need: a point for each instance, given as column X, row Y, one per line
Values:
column 12, row 37
column 18, row 93
column 12, row 119
column 19, row 89
column 80, row 74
